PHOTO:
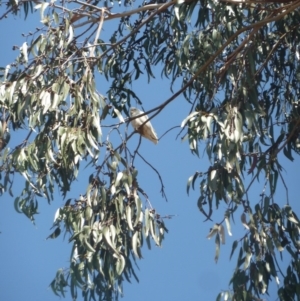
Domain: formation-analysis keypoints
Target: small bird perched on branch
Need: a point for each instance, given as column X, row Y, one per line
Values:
column 146, row 130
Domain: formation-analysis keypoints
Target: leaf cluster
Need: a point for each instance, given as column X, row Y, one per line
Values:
column 237, row 65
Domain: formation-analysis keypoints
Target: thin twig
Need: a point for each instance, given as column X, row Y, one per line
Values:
column 172, row 128
column 278, row 266
column 110, row 16
column 98, row 31
column 159, row 176
column 136, row 150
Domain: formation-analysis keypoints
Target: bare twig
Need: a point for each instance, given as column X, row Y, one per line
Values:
column 280, row 271
column 172, row 128
column 137, row 148
column 103, row 10
column 159, row 176
column 111, row 16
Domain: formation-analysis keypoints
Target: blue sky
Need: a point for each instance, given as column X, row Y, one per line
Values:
column 184, row 267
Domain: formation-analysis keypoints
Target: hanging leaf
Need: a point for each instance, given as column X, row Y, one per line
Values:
column 54, row 234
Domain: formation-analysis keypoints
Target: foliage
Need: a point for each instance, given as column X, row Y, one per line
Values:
column 237, row 64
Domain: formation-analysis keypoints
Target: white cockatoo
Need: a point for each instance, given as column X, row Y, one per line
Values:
column 146, row 130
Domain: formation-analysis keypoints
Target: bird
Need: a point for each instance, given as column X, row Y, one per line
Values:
column 147, row 129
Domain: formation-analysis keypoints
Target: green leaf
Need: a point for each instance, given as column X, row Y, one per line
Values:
column 288, row 153
column 135, row 244
column 55, row 234
column 217, row 241
column 88, row 246
column 108, row 238
column 129, row 217
column 213, row 231
column 17, row 204
column 247, row 260
column 234, row 245
column 188, row 118
column 191, row 180
column 120, row 265
column 227, row 222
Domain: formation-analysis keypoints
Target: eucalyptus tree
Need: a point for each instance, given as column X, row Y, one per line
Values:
column 235, row 62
